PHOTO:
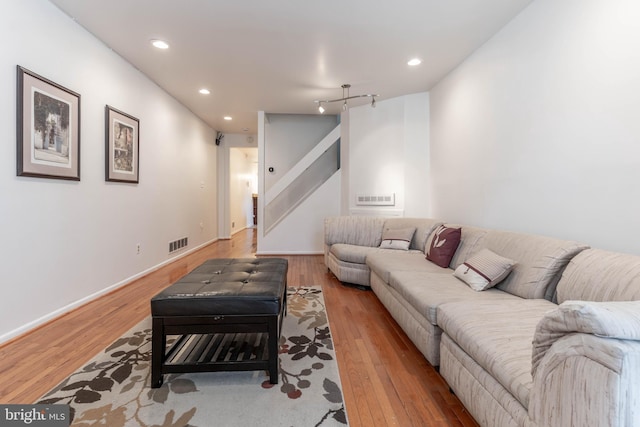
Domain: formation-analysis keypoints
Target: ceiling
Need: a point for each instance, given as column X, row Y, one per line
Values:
column 279, row 56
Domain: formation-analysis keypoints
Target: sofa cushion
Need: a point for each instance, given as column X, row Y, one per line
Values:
column 598, row 275
column 353, row 230
column 426, row 292
column 383, row 262
column 349, row 272
column 490, row 403
column 484, row 270
column 397, row 238
column 498, row 336
column 539, row 259
column 442, row 244
column 470, row 243
column 352, row 253
column 424, row 228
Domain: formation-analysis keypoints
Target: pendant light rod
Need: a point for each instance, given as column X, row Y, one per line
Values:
column 345, row 98
column 366, row 95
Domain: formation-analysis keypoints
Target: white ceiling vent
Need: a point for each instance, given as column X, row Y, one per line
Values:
column 376, row 199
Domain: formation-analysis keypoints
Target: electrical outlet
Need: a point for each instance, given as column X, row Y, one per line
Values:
column 138, row 248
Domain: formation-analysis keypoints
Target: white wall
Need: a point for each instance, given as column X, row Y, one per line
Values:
column 302, row 232
column 283, row 140
column 67, row 241
column 416, row 155
column 538, row 131
column 389, row 153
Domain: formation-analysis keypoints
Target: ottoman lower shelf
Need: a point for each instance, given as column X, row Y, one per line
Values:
column 206, row 344
column 230, row 351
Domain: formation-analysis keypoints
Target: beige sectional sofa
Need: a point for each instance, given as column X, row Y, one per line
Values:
column 550, row 345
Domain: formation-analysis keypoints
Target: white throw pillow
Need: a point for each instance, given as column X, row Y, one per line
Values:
column 399, row 238
column 484, row 270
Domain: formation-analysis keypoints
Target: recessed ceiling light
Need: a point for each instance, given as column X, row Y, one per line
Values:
column 228, row 118
column 204, row 91
column 160, row 44
column 414, row 62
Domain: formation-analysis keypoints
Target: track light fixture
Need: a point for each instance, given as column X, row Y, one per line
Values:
column 345, row 98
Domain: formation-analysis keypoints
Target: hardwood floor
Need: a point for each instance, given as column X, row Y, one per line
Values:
column 385, row 379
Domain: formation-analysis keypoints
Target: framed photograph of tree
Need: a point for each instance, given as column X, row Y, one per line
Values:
column 48, row 128
column 122, row 146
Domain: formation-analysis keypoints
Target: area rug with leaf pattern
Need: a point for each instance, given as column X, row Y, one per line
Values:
column 113, row 388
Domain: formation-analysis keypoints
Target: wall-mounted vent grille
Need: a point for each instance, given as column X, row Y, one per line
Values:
column 176, row 245
column 376, row 199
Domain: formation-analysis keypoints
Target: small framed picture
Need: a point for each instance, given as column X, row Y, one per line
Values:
column 48, row 128
column 122, row 146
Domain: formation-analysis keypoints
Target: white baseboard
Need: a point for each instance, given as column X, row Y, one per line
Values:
column 66, row 309
column 233, row 233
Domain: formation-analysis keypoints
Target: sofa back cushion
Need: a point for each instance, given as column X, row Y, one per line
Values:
column 353, row 230
column 470, row 243
column 539, row 260
column 424, row 227
column 598, row 275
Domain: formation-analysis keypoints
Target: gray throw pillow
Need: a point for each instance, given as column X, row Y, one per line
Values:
column 399, row 238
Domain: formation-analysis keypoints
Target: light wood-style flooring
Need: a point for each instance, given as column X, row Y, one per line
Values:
column 385, row 379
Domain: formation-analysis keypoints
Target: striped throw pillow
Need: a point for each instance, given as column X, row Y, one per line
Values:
column 484, row 270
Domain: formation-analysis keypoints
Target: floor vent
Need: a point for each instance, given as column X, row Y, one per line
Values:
column 176, row 245
column 376, row 199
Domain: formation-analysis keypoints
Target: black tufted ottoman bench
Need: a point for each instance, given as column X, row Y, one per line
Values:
column 228, row 315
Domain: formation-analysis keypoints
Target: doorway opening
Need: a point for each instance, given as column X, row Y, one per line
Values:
column 243, row 188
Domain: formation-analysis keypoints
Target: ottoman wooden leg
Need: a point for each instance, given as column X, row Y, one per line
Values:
column 158, row 346
column 273, row 349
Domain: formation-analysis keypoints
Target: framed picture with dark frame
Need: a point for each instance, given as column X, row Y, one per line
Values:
column 122, row 146
column 48, row 128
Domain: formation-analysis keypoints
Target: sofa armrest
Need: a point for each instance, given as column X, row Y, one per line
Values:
column 612, row 319
column 353, row 230
column 587, row 380
column 586, row 363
